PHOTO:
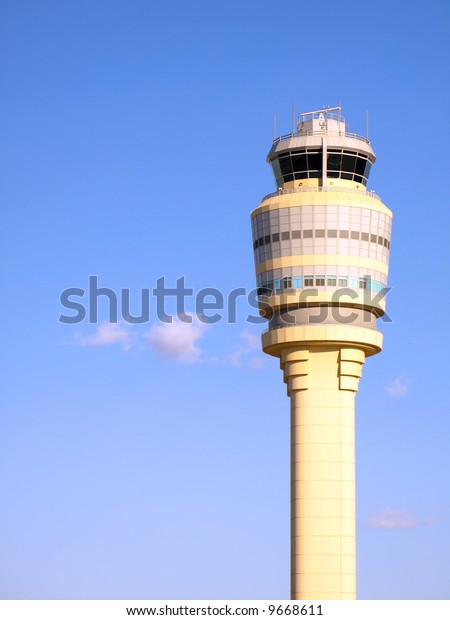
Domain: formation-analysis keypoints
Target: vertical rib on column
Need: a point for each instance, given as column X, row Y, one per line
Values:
column 321, row 383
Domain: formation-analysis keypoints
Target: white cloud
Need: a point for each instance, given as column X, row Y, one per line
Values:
column 244, row 352
column 178, row 340
column 397, row 519
column 400, row 386
column 105, row 334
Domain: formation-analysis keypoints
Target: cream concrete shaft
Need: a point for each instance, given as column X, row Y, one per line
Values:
column 322, row 381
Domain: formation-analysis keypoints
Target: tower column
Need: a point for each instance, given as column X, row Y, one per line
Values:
column 321, row 382
column 321, row 244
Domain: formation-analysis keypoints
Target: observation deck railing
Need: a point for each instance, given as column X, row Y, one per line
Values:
column 342, row 134
column 294, row 190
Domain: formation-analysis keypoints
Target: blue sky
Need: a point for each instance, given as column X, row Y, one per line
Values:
column 140, row 463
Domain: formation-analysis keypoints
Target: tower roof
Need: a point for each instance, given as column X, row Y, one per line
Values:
column 313, row 127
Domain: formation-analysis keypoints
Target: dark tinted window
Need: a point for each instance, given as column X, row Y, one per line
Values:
column 360, row 166
column 277, row 172
column 299, row 163
column 285, row 165
column 334, row 161
column 314, row 161
column 348, row 163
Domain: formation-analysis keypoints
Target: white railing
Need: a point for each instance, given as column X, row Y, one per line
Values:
column 294, row 190
column 298, row 134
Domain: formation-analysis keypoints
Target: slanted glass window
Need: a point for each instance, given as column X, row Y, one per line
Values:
column 360, row 166
column 334, row 164
column 309, row 280
column 348, row 163
column 315, row 161
column 304, row 164
column 285, row 165
column 299, row 163
column 277, row 172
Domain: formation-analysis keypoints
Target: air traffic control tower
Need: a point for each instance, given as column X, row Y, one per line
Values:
column 321, row 245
